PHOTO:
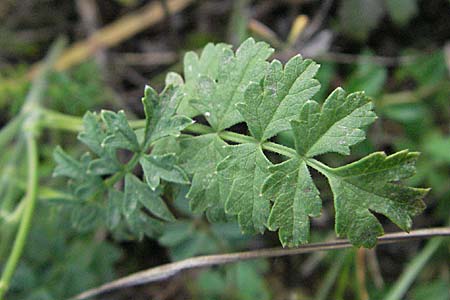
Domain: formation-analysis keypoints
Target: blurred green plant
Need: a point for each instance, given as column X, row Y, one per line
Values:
column 71, row 92
column 357, row 18
column 53, row 273
column 418, row 116
column 67, row 262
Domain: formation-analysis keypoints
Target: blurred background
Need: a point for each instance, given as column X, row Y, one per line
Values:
column 398, row 51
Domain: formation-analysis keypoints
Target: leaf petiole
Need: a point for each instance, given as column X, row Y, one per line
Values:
column 55, row 120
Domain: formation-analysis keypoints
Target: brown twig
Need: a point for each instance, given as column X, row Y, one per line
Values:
column 115, row 33
column 317, row 21
column 88, row 11
column 155, row 58
column 345, row 58
column 167, row 270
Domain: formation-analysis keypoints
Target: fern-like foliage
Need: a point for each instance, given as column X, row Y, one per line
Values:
column 228, row 173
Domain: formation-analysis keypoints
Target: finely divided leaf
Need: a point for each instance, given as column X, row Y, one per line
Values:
column 66, row 165
column 104, row 166
column 368, row 185
column 157, row 167
column 245, row 170
column 174, row 79
column 167, row 145
column 295, row 198
column 82, row 184
column 335, row 127
column 89, row 185
column 217, row 97
column 194, row 68
column 199, row 157
column 85, row 217
column 160, row 114
column 92, row 136
column 208, row 64
column 141, row 224
column 269, row 106
column 113, row 208
column 138, row 193
column 120, row 134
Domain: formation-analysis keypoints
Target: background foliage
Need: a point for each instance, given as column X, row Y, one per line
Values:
column 394, row 50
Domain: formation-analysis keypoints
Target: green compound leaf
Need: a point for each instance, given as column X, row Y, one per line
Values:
column 113, row 208
column 81, row 183
column 139, row 194
column 238, row 180
column 120, row 134
column 157, row 167
column 141, row 224
column 218, row 96
column 245, row 170
column 335, row 127
column 176, row 80
column 66, row 165
column 269, row 106
column 160, row 114
column 295, row 198
column 199, row 157
column 92, row 136
column 103, row 166
column 368, row 185
column 196, row 67
column 85, row 217
column 88, row 185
